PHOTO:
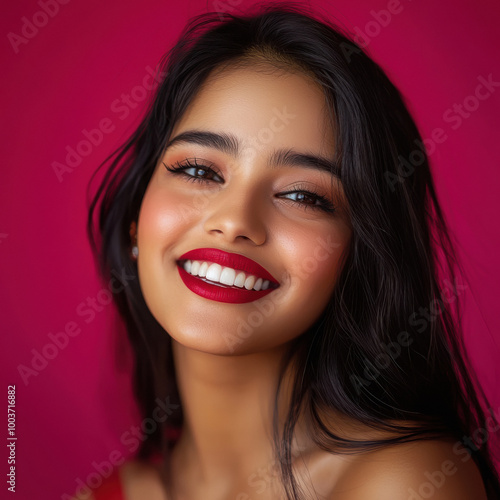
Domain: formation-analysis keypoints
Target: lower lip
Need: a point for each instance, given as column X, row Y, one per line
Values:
column 230, row 295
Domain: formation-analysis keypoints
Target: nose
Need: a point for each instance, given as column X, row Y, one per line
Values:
column 236, row 215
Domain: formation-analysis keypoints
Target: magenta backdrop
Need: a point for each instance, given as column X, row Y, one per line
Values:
column 64, row 76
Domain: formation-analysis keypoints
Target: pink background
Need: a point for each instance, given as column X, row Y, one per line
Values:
column 67, row 77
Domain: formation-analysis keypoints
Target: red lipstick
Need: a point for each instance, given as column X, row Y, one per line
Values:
column 218, row 291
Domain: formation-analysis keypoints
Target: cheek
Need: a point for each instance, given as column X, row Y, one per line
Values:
column 314, row 254
column 162, row 218
column 314, row 263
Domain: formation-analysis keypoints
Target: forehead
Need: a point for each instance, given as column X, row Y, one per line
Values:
column 276, row 108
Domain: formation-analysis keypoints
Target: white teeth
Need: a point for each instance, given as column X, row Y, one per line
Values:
column 195, row 267
column 250, row 282
column 258, row 284
column 213, row 272
column 240, row 280
column 225, row 275
column 203, row 270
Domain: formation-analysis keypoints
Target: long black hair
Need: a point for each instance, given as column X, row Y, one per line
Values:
column 372, row 355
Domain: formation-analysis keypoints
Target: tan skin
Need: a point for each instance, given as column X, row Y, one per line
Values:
column 228, row 385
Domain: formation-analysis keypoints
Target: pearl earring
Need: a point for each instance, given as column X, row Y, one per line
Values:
column 135, row 251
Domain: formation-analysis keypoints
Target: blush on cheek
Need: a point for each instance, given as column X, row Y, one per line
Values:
column 322, row 266
column 164, row 214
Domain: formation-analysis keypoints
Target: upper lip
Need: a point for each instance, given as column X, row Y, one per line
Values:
column 233, row 260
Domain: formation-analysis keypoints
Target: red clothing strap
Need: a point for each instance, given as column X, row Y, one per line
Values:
column 111, row 488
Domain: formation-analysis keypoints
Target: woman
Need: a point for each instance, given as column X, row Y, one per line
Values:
column 282, row 255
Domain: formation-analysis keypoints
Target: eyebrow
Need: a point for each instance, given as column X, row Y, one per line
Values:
column 230, row 145
column 223, row 142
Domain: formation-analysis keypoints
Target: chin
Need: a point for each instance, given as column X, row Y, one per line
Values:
column 215, row 339
column 212, row 341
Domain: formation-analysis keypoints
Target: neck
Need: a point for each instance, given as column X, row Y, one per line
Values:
column 228, row 404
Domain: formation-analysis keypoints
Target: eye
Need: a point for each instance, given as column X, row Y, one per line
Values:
column 308, row 199
column 194, row 171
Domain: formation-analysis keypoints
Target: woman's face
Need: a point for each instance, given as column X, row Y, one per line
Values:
column 252, row 197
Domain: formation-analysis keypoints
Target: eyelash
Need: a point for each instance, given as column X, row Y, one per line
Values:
column 180, row 169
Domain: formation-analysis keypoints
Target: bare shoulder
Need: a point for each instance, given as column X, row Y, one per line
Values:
column 437, row 469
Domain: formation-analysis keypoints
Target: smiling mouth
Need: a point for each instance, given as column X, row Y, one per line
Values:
column 225, row 277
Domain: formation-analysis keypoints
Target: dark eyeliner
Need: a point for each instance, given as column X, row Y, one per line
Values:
column 324, row 203
column 179, row 168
